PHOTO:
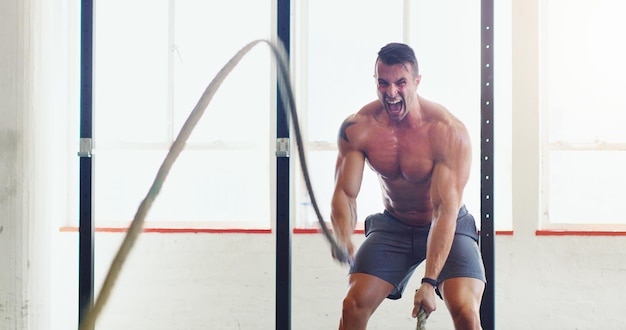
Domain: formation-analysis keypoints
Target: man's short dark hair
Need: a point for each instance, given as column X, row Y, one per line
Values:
column 398, row 53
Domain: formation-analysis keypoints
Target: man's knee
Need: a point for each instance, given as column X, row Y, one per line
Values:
column 351, row 308
column 353, row 315
column 463, row 297
column 466, row 317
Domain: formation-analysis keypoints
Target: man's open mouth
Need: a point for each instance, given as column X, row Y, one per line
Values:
column 395, row 106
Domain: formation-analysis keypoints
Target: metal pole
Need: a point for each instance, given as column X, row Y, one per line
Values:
column 487, row 232
column 86, row 228
column 283, row 227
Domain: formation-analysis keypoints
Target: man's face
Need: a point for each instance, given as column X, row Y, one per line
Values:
column 397, row 88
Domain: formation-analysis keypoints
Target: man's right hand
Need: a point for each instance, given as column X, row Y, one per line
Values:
column 344, row 252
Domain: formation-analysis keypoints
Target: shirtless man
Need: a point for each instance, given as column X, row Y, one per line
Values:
column 422, row 156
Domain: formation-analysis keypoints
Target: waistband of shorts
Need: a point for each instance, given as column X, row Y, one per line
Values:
column 396, row 219
column 462, row 212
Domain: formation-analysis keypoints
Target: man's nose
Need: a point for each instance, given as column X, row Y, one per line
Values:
column 392, row 91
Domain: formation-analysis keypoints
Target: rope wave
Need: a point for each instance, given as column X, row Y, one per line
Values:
column 288, row 100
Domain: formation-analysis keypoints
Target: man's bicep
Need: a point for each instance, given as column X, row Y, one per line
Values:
column 452, row 168
column 449, row 179
column 349, row 173
column 443, row 190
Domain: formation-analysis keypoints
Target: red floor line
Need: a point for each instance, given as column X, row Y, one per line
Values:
column 579, row 233
column 317, row 231
column 176, row 230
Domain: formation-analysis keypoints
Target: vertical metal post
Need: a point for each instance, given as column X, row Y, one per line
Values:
column 487, row 232
column 283, row 227
column 86, row 228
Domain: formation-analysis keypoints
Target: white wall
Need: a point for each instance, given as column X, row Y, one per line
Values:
column 12, row 214
column 34, row 157
column 226, row 281
column 24, row 236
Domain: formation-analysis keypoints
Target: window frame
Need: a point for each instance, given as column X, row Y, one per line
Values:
column 503, row 211
column 548, row 147
column 311, row 146
column 208, row 225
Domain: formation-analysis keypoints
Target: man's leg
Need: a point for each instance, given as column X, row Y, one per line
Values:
column 365, row 293
column 463, row 296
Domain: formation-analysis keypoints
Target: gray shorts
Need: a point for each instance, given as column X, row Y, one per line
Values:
column 392, row 250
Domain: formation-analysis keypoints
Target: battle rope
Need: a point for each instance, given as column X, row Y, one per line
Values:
column 421, row 319
column 136, row 225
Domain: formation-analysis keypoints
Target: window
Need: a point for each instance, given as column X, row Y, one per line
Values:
column 150, row 70
column 334, row 79
column 334, row 70
column 583, row 75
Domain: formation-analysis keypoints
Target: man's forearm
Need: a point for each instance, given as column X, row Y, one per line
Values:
column 439, row 243
column 344, row 217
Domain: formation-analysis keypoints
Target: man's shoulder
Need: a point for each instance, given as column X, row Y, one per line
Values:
column 442, row 119
column 367, row 112
column 446, row 132
column 353, row 127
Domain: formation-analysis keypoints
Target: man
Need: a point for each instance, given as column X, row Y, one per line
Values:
column 422, row 156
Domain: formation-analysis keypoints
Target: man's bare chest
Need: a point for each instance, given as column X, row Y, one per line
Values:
column 395, row 156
